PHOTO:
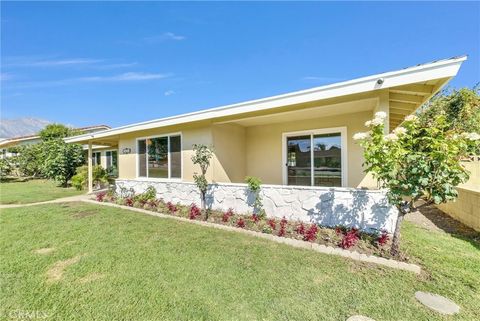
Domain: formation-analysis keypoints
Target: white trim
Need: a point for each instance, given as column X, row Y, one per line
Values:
column 157, row 179
column 312, row 132
column 437, row 70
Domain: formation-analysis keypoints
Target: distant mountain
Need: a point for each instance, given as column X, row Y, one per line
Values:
column 21, row 126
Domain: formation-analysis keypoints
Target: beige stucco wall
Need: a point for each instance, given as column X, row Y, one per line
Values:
column 264, row 146
column 229, row 147
column 466, row 208
column 255, row 150
column 190, row 135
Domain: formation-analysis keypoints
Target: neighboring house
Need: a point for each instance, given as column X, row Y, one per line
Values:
column 299, row 144
column 102, row 155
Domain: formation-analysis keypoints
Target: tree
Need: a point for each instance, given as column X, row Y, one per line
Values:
column 30, row 160
column 461, row 108
column 56, row 131
column 61, row 160
column 416, row 162
column 202, row 157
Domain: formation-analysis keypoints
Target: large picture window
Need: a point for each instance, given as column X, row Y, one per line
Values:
column 160, row 157
column 315, row 158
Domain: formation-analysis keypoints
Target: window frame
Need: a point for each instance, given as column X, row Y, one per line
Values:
column 158, row 179
column 312, row 133
column 111, row 157
column 94, row 157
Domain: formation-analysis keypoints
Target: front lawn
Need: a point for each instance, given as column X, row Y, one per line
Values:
column 81, row 261
column 32, row 191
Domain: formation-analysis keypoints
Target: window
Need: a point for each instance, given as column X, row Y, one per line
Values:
column 315, row 158
column 96, row 156
column 112, row 158
column 160, row 157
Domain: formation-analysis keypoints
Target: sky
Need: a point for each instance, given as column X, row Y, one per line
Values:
column 117, row 63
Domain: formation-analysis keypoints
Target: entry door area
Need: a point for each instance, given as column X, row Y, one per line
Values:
column 315, row 158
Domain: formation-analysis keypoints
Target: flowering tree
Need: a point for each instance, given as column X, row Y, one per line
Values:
column 416, row 162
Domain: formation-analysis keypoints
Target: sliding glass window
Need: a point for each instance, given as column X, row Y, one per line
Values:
column 314, row 159
column 160, row 157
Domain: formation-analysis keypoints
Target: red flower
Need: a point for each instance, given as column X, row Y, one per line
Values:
column 255, row 218
column 194, row 211
column 311, row 233
column 281, row 232
column 271, row 222
column 241, row 223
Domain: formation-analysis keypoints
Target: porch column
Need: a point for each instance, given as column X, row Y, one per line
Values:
column 90, row 170
column 384, row 105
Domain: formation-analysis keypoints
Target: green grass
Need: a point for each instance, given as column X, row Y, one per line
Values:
column 162, row 269
column 32, row 191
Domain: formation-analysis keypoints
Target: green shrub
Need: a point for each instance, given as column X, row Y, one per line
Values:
column 80, row 180
column 254, row 185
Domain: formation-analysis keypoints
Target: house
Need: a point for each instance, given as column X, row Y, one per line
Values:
column 101, row 155
column 299, row 144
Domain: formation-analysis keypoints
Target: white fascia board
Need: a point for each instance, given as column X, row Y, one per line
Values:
column 436, row 70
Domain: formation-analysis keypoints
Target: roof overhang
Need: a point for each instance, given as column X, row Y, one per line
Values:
column 414, row 83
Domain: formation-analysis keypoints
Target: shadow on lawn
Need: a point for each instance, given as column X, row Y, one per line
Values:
column 447, row 224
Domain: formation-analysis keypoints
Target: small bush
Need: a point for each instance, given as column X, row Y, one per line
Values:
column 227, row 215
column 80, row 179
column 350, row 238
column 194, row 212
column 383, row 238
column 241, row 223
column 300, row 229
column 100, row 196
column 129, row 201
column 272, row 223
column 310, row 234
column 172, row 208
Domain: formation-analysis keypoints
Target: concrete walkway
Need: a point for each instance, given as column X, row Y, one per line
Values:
column 76, row 198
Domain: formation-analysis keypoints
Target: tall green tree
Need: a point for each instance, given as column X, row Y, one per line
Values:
column 460, row 107
column 56, row 131
column 61, row 160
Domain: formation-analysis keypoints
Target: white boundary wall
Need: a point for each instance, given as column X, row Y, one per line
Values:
column 364, row 209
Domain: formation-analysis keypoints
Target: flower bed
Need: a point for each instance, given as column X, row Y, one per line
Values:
column 342, row 237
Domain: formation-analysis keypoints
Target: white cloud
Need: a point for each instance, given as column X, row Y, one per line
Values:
column 28, row 62
column 124, row 77
column 49, row 61
column 164, row 37
column 128, row 76
column 169, row 93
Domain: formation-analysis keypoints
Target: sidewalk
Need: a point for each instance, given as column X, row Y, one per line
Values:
column 76, row 198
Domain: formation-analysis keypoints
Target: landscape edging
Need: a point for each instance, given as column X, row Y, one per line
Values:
column 292, row 242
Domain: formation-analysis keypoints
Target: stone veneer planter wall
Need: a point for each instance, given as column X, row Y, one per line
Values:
column 365, row 209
